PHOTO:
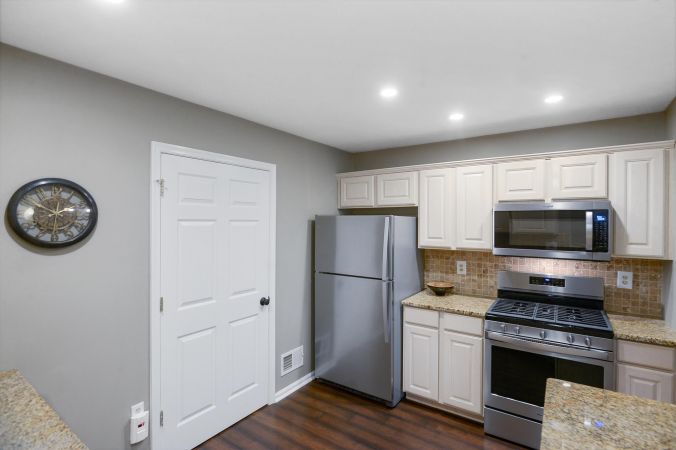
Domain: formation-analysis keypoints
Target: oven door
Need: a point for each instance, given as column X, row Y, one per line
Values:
column 553, row 230
column 516, row 372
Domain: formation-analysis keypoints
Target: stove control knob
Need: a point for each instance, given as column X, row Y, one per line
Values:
column 517, row 329
column 503, row 327
column 543, row 334
column 571, row 338
column 587, row 341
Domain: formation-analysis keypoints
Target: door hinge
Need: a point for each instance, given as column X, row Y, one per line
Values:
column 161, row 183
column 161, row 418
column 161, row 304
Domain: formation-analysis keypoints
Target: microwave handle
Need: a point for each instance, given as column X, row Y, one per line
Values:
column 589, row 230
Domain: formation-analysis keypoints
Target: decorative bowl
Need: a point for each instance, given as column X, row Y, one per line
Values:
column 440, row 287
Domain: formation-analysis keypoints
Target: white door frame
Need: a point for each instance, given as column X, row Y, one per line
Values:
column 156, row 151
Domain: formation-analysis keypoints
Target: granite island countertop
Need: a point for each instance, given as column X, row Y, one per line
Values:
column 640, row 329
column 578, row 416
column 453, row 303
column 27, row 421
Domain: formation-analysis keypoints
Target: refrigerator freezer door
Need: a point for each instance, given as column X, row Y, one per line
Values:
column 353, row 333
column 354, row 245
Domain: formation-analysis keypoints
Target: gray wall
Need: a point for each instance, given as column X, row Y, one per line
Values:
column 670, row 269
column 628, row 130
column 75, row 322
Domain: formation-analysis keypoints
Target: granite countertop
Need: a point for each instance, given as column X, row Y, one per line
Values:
column 456, row 304
column 27, row 421
column 578, row 416
column 640, row 329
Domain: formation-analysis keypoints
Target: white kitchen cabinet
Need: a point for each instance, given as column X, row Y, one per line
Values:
column 646, row 370
column 474, row 207
column 574, row 177
column 397, row 189
column 357, row 192
column 436, row 221
column 520, row 180
column 460, row 375
column 637, row 193
column 646, row 383
column 421, row 353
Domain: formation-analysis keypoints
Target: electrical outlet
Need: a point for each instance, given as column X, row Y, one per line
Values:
column 461, row 267
column 625, row 280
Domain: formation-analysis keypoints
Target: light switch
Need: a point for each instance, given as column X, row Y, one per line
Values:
column 461, row 267
column 625, row 280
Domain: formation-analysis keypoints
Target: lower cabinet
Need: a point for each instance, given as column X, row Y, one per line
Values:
column 443, row 359
column 646, row 370
column 460, row 371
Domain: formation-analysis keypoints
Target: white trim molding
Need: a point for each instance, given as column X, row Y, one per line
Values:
column 157, row 149
column 498, row 159
column 293, row 387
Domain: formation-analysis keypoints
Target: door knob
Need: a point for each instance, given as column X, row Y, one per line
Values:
column 265, row 301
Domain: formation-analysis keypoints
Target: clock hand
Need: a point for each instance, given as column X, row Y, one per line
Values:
column 56, row 217
column 40, row 206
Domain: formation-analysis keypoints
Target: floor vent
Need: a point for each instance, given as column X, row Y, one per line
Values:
column 292, row 360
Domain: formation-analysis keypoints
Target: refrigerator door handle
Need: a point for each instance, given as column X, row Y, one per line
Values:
column 386, row 311
column 386, row 249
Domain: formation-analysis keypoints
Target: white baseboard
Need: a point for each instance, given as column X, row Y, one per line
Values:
column 293, row 387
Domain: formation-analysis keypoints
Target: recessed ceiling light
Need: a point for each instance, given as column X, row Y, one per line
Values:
column 115, row 1
column 389, row 92
column 456, row 116
column 554, row 98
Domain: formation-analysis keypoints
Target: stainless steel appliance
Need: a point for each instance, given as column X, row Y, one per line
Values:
column 364, row 267
column 566, row 230
column 541, row 327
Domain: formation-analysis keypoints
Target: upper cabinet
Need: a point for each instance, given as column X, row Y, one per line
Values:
column 357, row 192
column 637, row 193
column 474, row 207
column 436, row 226
column 584, row 176
column 388, row 189
column 397, row 189
column 520, row 180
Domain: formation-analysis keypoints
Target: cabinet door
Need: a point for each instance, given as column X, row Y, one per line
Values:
column 397, row 189
column 646, row 383
column 421, row 361
column 460, row 375
column 637, row 193
column 357, row 192
column 521, row 180
column 474, row 207
column 436, row 224
column 583, row 176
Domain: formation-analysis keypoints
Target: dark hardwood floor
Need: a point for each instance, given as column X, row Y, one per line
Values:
column 323, row 417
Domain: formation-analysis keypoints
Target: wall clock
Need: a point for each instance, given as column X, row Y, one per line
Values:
column 52, row 212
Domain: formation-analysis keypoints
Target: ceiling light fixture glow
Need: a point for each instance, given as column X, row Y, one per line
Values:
column 456, row 116
column 389, row 92
column 115, row 1
column 554, row 98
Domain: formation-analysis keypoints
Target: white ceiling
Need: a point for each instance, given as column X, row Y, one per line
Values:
column 314, row 68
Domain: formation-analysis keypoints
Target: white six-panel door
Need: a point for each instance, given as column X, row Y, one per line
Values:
column 215, row 264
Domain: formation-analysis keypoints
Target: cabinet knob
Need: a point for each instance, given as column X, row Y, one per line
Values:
column 265, row 301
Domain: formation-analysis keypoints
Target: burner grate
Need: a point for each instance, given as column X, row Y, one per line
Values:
column 544, row 312
column 514, row 308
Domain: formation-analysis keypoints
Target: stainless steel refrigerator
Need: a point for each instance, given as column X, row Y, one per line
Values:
column 364, row 267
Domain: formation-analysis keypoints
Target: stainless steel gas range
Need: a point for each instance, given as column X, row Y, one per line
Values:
column 541, row 327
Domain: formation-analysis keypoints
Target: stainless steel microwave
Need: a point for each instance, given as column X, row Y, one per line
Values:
column 563, row 230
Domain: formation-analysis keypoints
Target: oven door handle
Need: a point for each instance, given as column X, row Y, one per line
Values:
column 553, row 348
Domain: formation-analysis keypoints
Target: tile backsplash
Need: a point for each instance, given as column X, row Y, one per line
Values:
column 644, row 299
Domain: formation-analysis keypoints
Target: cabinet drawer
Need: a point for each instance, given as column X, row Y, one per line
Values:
column 419, row 316
column 646, row 355
column 462, row 324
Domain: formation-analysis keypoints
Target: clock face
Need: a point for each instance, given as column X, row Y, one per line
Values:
column 52, row 212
